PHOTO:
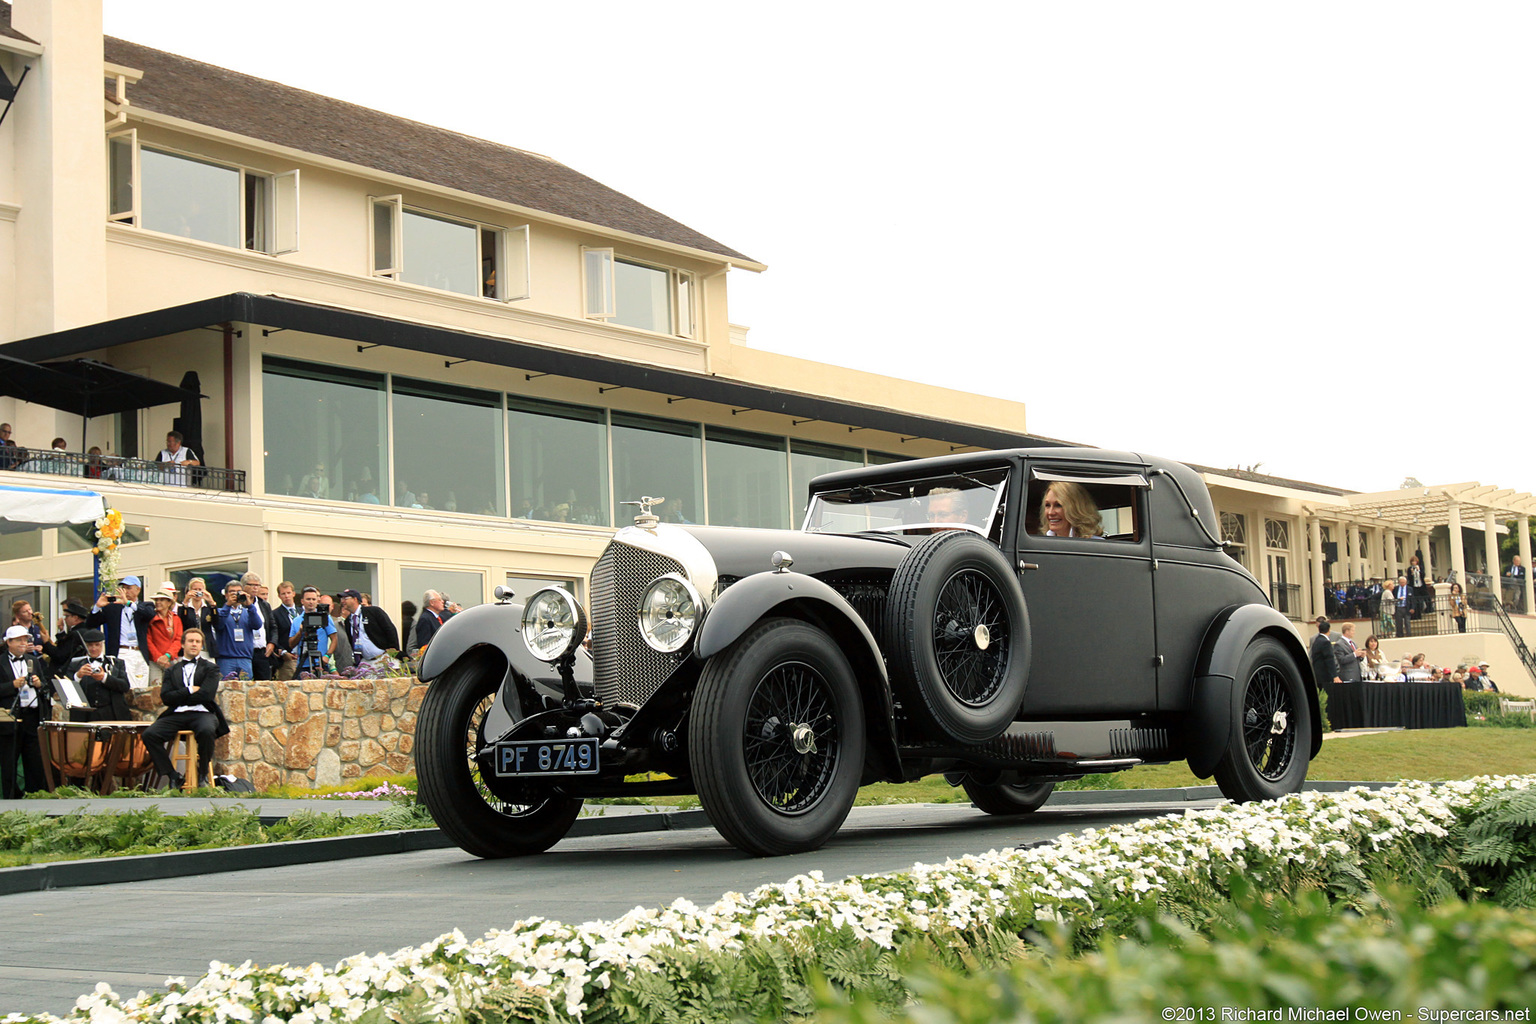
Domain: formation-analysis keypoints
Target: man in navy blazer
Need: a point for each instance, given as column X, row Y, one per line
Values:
column 109, row 617
column 188, row 690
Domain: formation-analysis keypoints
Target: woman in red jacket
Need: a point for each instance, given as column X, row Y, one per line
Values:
column 163, row 638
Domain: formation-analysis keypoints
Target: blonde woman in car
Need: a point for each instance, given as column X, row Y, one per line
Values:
column 1067, row 510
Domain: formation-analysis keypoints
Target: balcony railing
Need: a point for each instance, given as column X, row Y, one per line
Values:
column 1286, row 597
column 54, row 462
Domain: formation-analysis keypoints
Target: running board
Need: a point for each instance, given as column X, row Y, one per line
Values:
column 1078, row 747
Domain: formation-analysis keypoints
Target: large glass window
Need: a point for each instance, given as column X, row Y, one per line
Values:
column 331, row 576
column 214, row 576
column 748, row 479
column 82, row 536
column 807, row 461
column 441, row 254
column 637, row 294
column 324, row 431
column 641, row 298
column 661, row 459
column 191, row 198
column 448, row 448
column 558, row 462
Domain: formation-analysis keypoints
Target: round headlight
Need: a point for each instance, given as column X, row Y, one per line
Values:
column 669, row 613
column 554, row 624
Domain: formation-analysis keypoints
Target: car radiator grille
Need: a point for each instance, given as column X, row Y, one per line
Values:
column 625, row 669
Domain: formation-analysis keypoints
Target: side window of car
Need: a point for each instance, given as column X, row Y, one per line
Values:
column 1082, row 505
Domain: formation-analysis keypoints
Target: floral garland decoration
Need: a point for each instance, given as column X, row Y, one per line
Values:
column 109, row 534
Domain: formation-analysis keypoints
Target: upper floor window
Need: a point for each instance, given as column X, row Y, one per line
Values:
column 176, row 194
column 635, row 294
column 442, row 252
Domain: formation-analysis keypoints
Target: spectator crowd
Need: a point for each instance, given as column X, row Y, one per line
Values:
column 184, row 642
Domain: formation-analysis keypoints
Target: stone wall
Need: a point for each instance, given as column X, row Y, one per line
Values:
column 313, row 732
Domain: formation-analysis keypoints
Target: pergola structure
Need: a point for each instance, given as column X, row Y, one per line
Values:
column 1413, row 512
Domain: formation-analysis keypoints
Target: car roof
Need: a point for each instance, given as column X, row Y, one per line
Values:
column 969, row 462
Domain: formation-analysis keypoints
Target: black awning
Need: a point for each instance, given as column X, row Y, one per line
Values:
column 85, row 387
column 350, row 325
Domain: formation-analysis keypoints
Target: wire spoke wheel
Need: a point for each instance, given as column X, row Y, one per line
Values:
column 508, row 818
column 791, row 741
column 956, row 638
column 970, row 637
column 1268, row 724
column 776, row 738
column 1270, row 736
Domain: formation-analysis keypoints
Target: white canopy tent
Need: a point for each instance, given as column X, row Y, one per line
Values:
column 34, row 508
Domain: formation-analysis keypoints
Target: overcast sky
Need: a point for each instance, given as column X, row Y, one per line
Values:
column 1292, row 234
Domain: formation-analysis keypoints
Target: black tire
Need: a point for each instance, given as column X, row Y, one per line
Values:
column 957, row 637
column 1262, row 763
column 1007, row 797
column 448, row 781
column 776, row 739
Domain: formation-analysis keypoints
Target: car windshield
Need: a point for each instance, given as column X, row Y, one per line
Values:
column 970, row 501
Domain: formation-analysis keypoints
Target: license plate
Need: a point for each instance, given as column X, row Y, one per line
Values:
column 551, row 757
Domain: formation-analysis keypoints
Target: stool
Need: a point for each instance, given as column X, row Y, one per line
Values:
column 186, row 759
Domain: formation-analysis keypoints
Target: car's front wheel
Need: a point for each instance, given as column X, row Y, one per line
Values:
column 1269, row 742
column 776, row 739
column 521, row 817
column 1007, row 795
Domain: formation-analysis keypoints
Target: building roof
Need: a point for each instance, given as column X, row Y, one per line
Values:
column 5, row 25
column 1424, row 507
column 280, row 114
column 1273, row 481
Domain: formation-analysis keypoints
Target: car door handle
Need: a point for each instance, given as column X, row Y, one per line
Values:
column 1028, row 565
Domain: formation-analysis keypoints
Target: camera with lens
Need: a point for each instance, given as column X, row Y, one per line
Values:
column 309, row 633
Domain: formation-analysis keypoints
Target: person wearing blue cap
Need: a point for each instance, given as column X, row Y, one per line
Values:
column 122, row 619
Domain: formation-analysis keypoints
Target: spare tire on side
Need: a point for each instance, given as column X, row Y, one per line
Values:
column 956, row 636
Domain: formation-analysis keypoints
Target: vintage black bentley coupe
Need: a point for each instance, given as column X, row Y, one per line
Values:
column 1010, row 619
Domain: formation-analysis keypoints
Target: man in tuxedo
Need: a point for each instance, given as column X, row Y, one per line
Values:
column 188, row 690
column 24, row 695
column 1517, row 574
column 1348, row 655
column 368, row 627
column 1325, row 664
column 103, row 681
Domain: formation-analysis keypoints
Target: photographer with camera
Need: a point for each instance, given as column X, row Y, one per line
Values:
column 313, row 634
column 235, row 628
column 103, row 681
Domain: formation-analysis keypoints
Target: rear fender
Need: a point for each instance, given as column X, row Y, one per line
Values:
column 798, row 596
column 494, row 632
column 1208, row 727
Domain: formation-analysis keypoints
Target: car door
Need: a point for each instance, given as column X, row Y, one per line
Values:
column 1089, row 597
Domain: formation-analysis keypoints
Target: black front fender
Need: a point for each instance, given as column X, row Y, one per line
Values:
column 497, row 627
column 1208, row 728
column 748, row 601
column 799, row 596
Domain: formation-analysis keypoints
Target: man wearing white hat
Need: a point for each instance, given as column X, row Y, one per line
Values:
column 23, row 700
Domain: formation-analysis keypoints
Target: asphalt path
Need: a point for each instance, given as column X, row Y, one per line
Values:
column 57, row 944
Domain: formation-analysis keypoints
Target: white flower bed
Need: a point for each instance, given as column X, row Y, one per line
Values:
column 1079, row 878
